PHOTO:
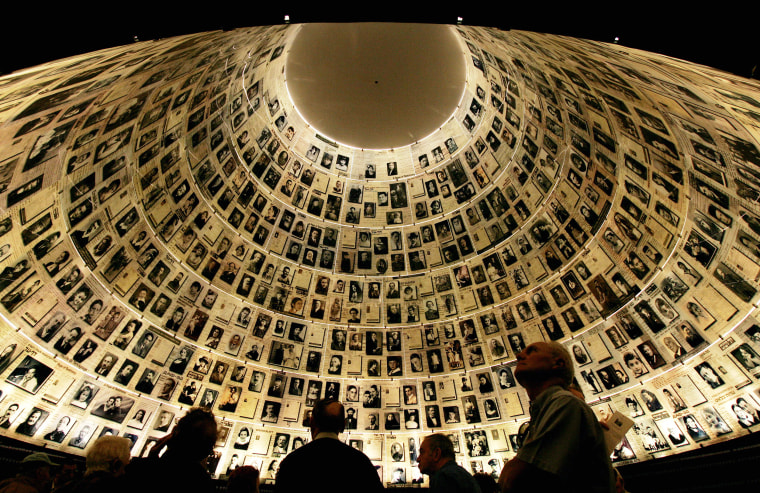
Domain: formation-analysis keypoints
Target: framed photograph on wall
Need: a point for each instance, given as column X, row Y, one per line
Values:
column 29, row 375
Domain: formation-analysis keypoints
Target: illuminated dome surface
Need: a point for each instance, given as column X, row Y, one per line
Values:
column 177, row 231
column 375, row 85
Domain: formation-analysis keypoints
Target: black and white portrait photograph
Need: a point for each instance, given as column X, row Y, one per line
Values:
column 29, row 375
column 114, row 407
column 33, row 422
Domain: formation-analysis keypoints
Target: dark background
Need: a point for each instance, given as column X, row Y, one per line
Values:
column 717, row 34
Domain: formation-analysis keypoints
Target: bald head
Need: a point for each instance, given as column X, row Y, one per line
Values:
column 543, row 364
column 328, row 416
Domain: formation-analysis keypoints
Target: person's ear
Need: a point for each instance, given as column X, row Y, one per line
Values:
column 436, row 452
column 559, row 363
column 117, row 465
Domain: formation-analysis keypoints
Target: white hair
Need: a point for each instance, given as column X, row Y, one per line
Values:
column 560, row 351
column 106, row 449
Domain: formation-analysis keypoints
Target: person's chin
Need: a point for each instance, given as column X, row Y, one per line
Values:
column 519, row 373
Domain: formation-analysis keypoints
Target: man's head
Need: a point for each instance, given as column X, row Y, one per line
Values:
column 352, row 393
column 243, row 478
column 110, row 454
column 435, row 451
column 37, row 467
column 328, row 416
column 11, row 409
column 542, row 364
column 33, row 417
column 743, row 404
column 689, row 332
column 194, row 435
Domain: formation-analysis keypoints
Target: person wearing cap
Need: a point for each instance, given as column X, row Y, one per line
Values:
column 34, row 477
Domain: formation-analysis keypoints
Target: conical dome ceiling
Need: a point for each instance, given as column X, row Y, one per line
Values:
column 253, row 219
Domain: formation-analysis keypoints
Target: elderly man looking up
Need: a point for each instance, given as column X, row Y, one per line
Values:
column 564, row 445
column 436, row 459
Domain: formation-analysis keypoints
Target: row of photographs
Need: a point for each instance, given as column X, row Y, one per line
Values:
column 691, row 421
column 412, row 291
column 651, row 314
column 30, row 375
column 283, row 394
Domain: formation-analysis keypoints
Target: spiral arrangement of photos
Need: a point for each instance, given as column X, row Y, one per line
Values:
column 173, row 234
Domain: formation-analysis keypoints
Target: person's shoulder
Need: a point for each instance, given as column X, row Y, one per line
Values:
column 452, row 470
column 17, row 485
column 294, row 456
column 141, row 463
column 557, row 394
column 95, row 483
column 157, row 474
column 568, row 399
column 327, row 450
column 310, row 449
column 330, row 444
column 561, row 400
column 337, row 448
column 141, row 466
